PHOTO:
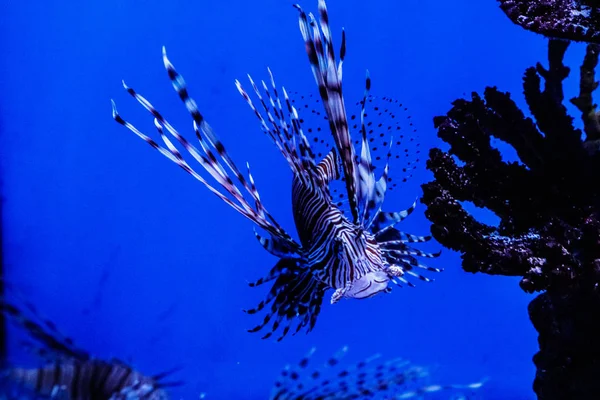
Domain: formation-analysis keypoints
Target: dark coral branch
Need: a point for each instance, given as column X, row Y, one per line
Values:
column 548, row 203
column 512, row 127
column 567, row 363
column 547, row 106
column 460, row 231
column 549, row 210
column 557, row 71
column 577, row 20
column 542, row 202
column 584, row 102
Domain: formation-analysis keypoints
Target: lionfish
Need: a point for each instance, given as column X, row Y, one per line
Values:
column 356, row 253
column 68, row 372
column 397, row 378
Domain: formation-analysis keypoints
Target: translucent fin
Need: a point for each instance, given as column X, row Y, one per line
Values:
column 295, row 297
column 213, row 157
column 321, row 55
column 51, row 343
column 372, row 378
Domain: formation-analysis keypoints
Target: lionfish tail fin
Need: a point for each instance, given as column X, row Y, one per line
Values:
column 328, row 76
column 276, row 246
column 212, row 156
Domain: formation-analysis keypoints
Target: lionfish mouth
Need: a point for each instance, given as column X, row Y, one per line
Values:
column 367, row 286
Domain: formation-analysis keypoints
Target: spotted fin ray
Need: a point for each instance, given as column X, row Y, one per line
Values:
column 295, row 293
column 392, row 138
column 368, row 379
column 285, row 131
column 209, row 144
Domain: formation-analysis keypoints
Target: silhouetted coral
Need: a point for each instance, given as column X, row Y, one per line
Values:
column 548, row 204
column 577, row 20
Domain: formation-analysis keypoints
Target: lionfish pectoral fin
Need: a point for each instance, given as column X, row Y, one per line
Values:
column 376, row 200
column 170, row 384
column 421, row 391
column 276, row 246
column 387, row 220
column 212, row 156
column 283, row 266
column 338, row 294
column 285, row 131
column 366, row 184
column 369, row 378
column 321, row 55
column 161, row 375
column 378, row 194
column 296, row 296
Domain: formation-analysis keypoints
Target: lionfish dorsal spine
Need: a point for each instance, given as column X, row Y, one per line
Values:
column 366, row 177
column 379, row 190
column 284, row 131
column 328, row 78
column 306, row 153
column 276, row 246
column 286, row 146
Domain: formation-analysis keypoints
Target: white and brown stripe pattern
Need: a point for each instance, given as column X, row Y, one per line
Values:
column 321, row 56
column 85, row 380
column 70, row 373
column 215, row 167
column 355, row 255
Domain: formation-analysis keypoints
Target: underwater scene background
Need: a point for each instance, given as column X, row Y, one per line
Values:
column 133, row 259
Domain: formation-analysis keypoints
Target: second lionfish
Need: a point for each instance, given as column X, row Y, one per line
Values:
column 368, row 379
column 355, row 253
column 68, row 372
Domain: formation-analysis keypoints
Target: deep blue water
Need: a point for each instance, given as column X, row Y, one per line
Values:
column 133, row 258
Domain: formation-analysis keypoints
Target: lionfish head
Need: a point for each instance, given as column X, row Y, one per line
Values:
column 368, row 262
column 367, row 286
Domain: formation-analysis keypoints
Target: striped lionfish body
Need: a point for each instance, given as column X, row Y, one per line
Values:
column 368, row 379
column 357, row 254
column 69, row 373
column 89, row 380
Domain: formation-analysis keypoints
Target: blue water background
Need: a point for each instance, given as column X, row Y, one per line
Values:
column 135, row 259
